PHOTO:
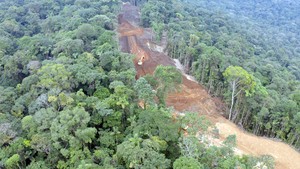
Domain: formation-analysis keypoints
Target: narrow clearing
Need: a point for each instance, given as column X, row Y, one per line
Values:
column 193, row 97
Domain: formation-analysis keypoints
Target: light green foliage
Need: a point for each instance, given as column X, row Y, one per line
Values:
column 75, row 158
column 28, row 83
column 69, row 47
column 13, row 161
column 37, row 165
column 121, row 95
column 70, row 126
column 54, row 76
column 194, row 123
column 86, row 135
column 28, row 125
column 187, row 163
column 162, row 143
column 239, row 81
column 64, row 100
column 193, row 40
column 106, row 38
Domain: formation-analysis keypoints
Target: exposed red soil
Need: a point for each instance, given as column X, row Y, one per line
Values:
column 193, row 97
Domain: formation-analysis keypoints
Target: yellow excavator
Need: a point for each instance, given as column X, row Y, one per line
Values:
column 140, row 62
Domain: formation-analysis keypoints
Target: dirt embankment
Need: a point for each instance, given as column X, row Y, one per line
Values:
column 193, row 97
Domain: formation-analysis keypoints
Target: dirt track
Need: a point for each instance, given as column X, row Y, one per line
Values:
column 193, row 97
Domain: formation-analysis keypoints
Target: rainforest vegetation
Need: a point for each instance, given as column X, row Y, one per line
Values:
column 69, row 97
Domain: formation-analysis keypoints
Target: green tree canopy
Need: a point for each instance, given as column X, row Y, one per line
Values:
column 168, row 78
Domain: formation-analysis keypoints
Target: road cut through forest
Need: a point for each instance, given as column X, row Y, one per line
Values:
column 193, row 97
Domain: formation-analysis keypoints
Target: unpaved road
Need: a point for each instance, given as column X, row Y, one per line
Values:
column 193, row 97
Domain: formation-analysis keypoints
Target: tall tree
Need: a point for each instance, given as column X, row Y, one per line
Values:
column 239, row 81
column 144, row 91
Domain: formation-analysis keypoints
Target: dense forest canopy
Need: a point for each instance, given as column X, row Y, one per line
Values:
column 69, row 97
column 273, row 22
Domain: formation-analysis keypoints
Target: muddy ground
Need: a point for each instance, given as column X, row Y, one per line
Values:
column 193, row 97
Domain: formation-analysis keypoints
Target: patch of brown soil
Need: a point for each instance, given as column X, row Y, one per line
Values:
column 192, row 96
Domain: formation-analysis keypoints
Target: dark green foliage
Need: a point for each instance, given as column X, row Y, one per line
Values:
column 7, row 97
column 141, row 153
column 157, row 123
column 144, row 91
column 102, row 93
